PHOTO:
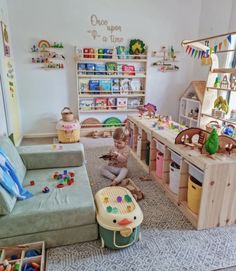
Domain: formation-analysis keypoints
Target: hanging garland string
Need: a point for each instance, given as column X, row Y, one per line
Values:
column 215, row 49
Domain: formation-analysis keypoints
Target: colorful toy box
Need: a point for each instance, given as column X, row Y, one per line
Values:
column 119, row 217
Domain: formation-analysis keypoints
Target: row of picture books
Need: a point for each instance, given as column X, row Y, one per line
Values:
column 116, row 85
column 109, row 69
column 109, row 103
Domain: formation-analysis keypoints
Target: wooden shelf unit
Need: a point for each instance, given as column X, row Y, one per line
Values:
column 215, row 71
column 218, row 198
column 130, row 85
column 192, row 106
column 20, row 252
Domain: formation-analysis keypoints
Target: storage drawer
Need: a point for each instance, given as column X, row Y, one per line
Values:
column 160, row 147
column 176, row 157
column 195, row 172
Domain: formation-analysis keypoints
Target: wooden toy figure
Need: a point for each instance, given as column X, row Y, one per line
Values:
column 212, row 143
column 224, row 83
column 233, row 81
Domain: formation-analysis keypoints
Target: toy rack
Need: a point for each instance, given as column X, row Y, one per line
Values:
column 18, row 254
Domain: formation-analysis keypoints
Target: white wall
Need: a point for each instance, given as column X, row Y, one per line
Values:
column 44, row 93
column 216, row 18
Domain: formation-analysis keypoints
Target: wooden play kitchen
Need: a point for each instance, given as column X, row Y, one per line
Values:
column 204, row 189
column 29, row 256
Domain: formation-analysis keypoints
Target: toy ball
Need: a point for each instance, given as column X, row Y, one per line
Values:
column 32, row 183
column 46, row 189
column 228, row 131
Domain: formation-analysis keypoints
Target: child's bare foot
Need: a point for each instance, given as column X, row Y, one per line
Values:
column 113, row 183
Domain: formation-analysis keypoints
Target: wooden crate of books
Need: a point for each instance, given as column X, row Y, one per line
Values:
column 22, row 257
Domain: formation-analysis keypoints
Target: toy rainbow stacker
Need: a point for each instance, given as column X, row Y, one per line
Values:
column 119, row 217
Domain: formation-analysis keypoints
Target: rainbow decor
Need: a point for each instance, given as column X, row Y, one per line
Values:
column 44, row 44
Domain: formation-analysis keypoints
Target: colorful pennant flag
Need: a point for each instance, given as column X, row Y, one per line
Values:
column 215, row 48
column 225, row 42
column 193, row 50
column 220, row 46
column 195, row 54
column 229, row 38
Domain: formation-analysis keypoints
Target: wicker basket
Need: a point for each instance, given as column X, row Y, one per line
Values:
column 67, row 114
column 213, row 124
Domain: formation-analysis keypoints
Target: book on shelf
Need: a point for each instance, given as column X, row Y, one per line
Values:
column 115, row 85
column 90, row 68
column 121, row 103
column 111, row 103
column 133, row 103
column 128, row 70
column 111, row 68
column 86, row 104
column 135, row 84
column 100, row 68
column 101, row 103
column 84, row 86
column 94, row 86
column 124, row 86
column 105, row 85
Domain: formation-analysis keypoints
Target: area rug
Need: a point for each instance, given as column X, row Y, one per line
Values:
column 169, row 242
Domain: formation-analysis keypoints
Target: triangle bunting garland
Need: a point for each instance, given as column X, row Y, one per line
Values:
column 214, row 49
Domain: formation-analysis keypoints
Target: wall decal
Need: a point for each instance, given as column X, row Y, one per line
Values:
column 106, row 27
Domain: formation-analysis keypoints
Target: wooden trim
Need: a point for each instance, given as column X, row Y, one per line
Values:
column 207, row 38
column 224, row 70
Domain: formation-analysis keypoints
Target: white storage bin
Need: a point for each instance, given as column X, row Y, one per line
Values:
column 160, row 147
column 176, row 157
column 174, row 178
column 195, row 172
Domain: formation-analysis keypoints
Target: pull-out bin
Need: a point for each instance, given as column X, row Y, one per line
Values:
column 194, row 188
column 175, row 172
column 159, row 158
column 159, row 164
column 174, row 177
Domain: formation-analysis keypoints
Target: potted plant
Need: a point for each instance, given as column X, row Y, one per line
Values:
column 221, row 107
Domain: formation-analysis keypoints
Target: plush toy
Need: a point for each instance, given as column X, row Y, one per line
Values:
column 212, row 143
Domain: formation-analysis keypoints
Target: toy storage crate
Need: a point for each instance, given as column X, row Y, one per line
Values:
column 159, row 158
column 19, row 256
column 119, row 217
column 194, row 188
column 175, row 172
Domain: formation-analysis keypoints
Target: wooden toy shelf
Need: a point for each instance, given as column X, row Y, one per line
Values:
column 19, row 253
column 221, row 76
column 218, row 197
column 109, row 83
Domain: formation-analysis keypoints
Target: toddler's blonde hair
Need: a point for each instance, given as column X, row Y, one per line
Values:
column 121, row 134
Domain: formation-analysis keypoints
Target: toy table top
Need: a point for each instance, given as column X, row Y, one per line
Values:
column 118, row 199
column 167, row 137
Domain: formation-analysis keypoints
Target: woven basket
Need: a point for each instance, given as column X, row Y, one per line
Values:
column 67, row 114
column 213, row 124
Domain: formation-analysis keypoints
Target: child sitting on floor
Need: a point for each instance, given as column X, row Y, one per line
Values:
column 117, row 170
